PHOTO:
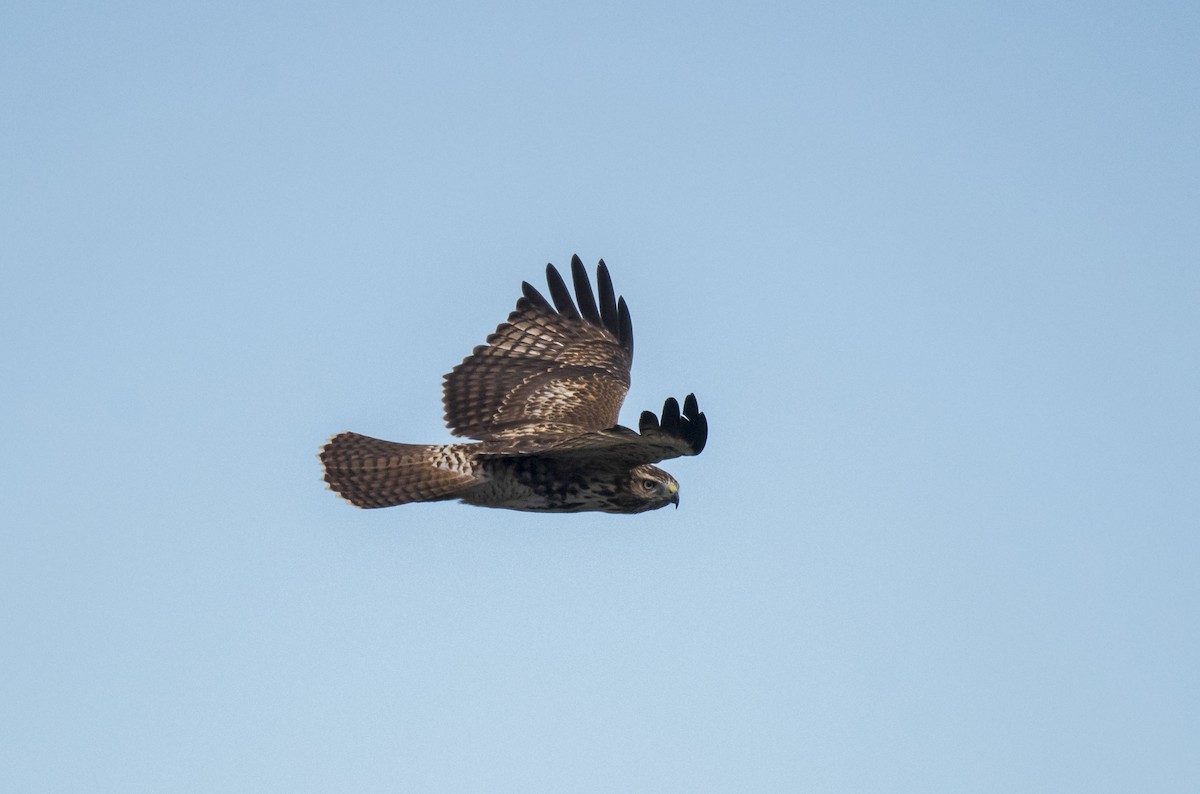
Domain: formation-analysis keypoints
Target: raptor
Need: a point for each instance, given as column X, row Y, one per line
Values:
column 541, row 399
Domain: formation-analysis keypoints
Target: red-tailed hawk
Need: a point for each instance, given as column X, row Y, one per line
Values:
column 542, row 399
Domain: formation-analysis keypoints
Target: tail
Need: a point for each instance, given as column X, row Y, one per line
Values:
column 368, row 472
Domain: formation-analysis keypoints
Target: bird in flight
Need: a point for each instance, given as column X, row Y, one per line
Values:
column 542, row 399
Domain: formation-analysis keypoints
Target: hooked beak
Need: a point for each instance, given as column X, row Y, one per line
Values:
column 674, row 491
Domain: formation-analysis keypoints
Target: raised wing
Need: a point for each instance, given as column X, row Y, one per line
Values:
column 548, row 370
column 675, row 435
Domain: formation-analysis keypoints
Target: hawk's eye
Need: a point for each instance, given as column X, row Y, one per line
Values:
column 649, row 484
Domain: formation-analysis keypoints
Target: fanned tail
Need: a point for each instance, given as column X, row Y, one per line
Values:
column 370, row 472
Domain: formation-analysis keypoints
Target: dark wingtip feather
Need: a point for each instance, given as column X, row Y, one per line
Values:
column 625, row 326
column 690, row 407
column 530, row 292
column 700, row 433
column 559, row 293
column 583, row 291
column 696, row 424
column 670, row 417
column 648, row 422
column 608, row 298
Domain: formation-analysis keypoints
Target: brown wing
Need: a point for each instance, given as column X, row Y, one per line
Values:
column 675, row 435
column 557, row 369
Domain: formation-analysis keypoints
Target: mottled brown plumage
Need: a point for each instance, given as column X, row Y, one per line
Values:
column 542, row 398
column 546, row 371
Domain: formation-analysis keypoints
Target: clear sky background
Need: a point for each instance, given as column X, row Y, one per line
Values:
column 932, row 269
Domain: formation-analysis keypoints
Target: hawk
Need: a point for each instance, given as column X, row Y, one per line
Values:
column 541, row 399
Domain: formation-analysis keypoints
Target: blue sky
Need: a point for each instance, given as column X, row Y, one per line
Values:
column 933, row 271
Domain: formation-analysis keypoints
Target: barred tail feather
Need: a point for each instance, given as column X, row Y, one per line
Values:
column 369, row 472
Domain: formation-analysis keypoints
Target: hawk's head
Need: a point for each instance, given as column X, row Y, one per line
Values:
column 649, row 488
